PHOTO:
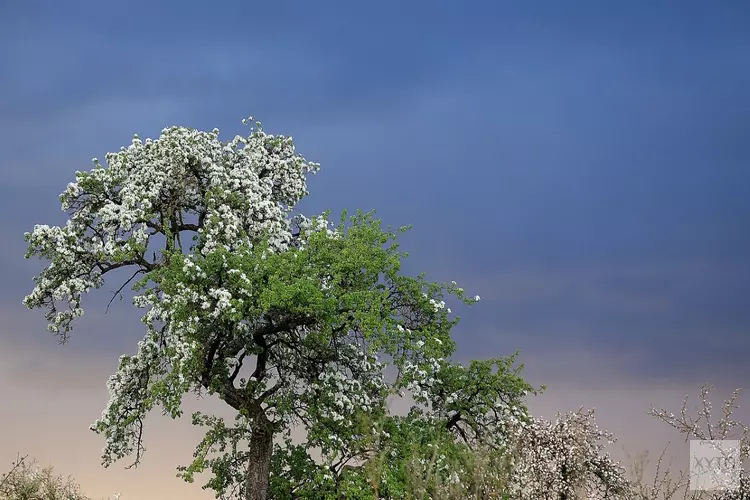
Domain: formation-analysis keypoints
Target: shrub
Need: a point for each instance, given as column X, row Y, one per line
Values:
column 28, row 481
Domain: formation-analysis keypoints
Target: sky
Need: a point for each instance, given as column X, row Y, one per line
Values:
column 582, row 166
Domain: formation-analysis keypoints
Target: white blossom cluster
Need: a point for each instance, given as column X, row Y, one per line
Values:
column 345, row 392
column 29, row 480
column 122, row 419
column 67, row 277
column 355, row 383
column 703, row 427
column 740, row 493
column 565, row 456
column 312, row 225
column 237, row 190
column 445, row 389
column 421, row 379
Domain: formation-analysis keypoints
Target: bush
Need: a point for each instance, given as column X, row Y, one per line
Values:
column 27, row 481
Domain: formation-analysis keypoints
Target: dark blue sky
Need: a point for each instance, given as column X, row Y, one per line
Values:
column 583, row 166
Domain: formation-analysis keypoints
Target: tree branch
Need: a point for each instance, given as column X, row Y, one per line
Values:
column 139, row 271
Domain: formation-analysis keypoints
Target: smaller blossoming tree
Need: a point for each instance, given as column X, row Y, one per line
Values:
column 561, row 459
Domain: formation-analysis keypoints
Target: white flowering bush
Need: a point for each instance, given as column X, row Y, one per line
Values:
column 563, row 459
column 702, row 427
column 26, row 480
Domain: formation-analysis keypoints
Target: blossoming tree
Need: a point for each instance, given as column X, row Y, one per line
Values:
column 290, row 322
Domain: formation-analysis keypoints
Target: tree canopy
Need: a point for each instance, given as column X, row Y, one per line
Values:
column 293, row 322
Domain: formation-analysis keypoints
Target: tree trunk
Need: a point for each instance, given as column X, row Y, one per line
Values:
column 259, row 467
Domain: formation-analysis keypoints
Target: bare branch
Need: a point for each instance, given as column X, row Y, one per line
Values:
column 139, row 271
